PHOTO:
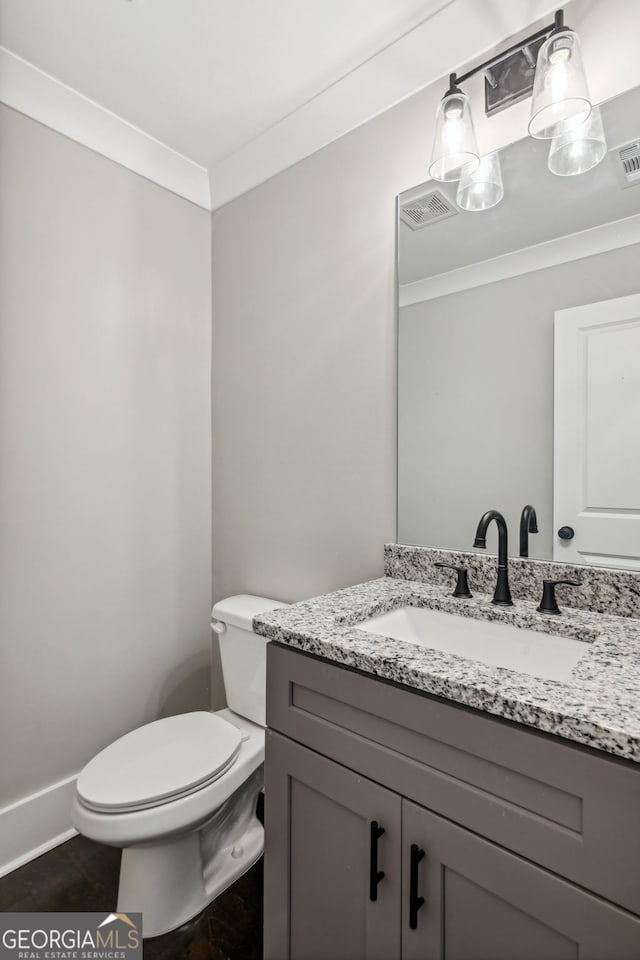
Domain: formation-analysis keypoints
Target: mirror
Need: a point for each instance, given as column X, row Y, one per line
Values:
column 487, row 301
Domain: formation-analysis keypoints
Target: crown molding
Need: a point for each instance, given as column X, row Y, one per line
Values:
column 29, row 90
column 549, row 253
column 465, row 29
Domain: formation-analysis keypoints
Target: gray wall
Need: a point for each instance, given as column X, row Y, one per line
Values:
column 304, row 403
column 475, row 425
column 304, row 352
column 105, row 451
column 304, row 368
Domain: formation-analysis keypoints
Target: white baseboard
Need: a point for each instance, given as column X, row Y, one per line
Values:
column 36, row 823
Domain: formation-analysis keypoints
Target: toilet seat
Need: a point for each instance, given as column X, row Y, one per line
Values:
column 159, row 763
column 130, row 827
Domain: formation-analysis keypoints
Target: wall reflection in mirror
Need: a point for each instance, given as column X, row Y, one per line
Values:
column 519, row 350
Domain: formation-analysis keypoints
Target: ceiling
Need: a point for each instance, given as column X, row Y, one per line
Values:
column 244, row 88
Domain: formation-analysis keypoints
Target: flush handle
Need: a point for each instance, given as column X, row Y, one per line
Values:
column 218, row 627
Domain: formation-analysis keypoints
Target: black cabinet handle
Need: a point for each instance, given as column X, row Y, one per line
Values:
column 566, row 533
column 415, row 902
column 375, row 875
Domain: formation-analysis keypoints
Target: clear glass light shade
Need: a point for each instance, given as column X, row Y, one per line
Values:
column 482, row 188
column 560, row 92
column 580, row 149
column 455, row 150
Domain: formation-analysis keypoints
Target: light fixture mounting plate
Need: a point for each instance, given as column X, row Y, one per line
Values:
column 511, row 80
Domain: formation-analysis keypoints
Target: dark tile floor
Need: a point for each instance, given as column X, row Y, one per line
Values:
column 83, row 875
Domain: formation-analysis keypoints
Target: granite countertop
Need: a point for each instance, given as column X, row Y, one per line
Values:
column 599, row 706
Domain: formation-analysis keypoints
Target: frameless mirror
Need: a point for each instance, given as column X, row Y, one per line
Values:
column 519, row 354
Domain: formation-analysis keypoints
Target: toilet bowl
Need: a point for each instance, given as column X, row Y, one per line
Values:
column 179, row 795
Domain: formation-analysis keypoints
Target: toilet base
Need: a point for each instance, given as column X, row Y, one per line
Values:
column 172, row 881
column 178, row 893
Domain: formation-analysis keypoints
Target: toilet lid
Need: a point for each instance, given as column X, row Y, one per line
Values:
column 159, row 762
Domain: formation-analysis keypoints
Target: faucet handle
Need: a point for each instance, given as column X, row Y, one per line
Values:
column 549, row 604
column 462, row 583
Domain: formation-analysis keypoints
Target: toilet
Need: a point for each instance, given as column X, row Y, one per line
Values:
column 179, row 795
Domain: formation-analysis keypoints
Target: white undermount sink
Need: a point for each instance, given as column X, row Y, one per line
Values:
column 498, row 644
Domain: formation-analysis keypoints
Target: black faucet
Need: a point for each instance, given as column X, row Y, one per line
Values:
column 462, row 584
column 502, row 593
column 549, row 604
column 528, row 524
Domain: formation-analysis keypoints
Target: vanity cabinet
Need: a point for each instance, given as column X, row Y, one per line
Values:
column 483, row 902
column 318, row 883
column 522, row 846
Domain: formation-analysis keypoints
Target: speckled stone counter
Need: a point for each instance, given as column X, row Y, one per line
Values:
column 603, row 589
column 598, row 707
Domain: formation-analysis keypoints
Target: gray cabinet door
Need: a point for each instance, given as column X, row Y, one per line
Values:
column 482, row 902
column 317, row 900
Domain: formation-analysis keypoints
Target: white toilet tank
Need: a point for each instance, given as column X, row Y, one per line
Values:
column 243, row 653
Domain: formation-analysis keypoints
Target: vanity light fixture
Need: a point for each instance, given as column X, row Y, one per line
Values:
column 455, row 151
column 481, row 188
column 560, row 96
column 580, row 149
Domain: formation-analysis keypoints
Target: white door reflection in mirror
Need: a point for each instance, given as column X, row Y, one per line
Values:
column 597, row 432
